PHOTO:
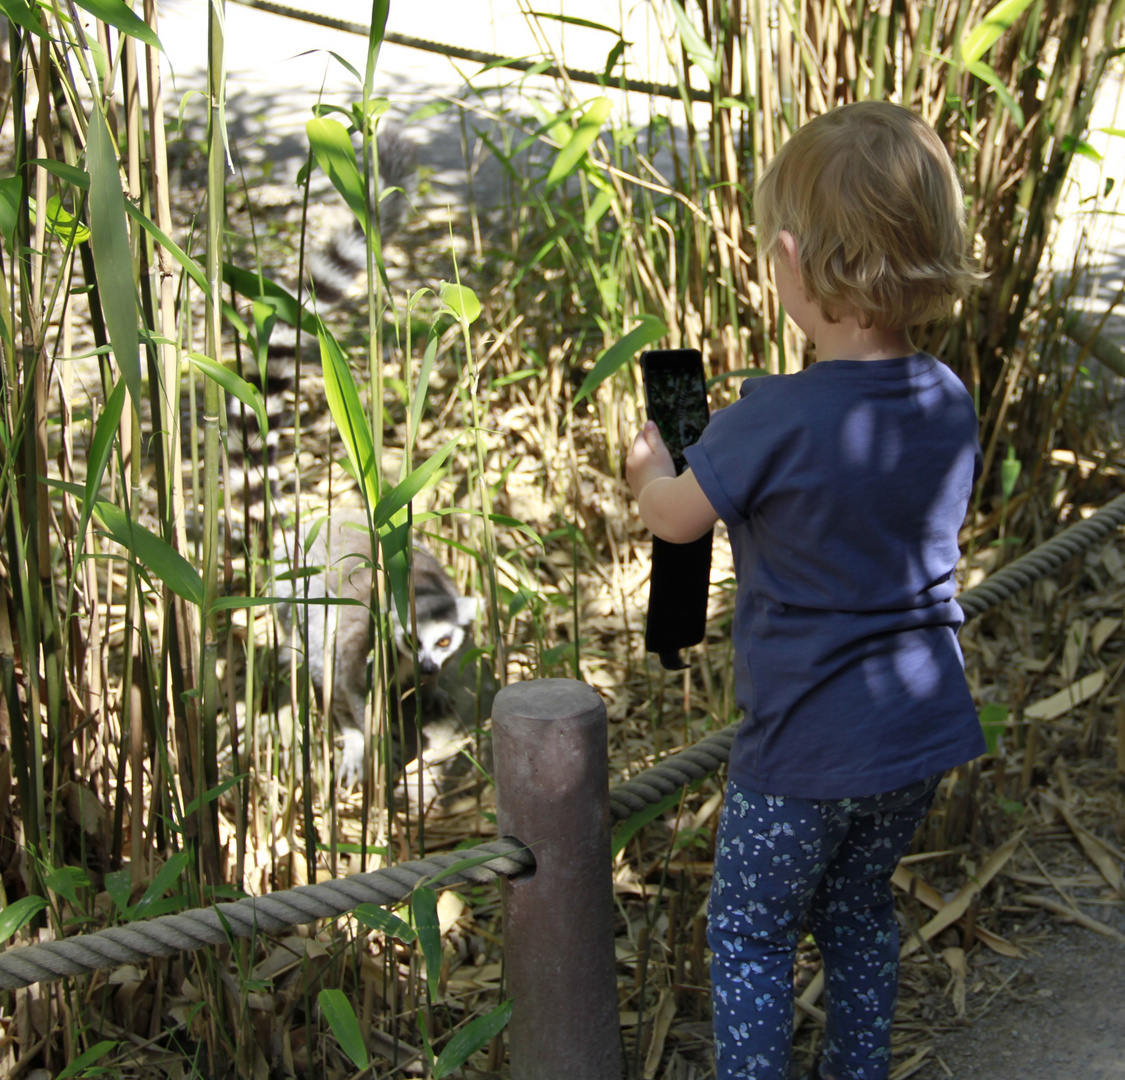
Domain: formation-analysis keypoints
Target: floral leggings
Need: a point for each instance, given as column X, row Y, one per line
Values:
column 782, row 862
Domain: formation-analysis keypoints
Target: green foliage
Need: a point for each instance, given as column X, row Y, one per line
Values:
column 342, row 1020
column 117, row 560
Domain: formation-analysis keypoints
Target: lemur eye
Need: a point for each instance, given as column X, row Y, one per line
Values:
column 445, row 642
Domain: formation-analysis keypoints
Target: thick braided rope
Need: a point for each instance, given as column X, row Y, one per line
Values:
column 244, row 918
column 1029, row 568
column 675, row 771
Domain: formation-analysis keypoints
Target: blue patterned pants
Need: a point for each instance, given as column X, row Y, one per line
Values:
column 782, row 863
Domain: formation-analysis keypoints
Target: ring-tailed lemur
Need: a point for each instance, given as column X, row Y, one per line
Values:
column 337, row 557
column 331, row 271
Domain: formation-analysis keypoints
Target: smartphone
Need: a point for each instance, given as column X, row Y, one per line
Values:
column 676, row 397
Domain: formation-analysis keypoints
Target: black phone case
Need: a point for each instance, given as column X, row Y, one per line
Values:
column 681, row 573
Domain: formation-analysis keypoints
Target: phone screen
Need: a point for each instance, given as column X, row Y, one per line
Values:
column 676, row 397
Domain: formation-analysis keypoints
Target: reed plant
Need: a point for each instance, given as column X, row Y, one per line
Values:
column 137, row 590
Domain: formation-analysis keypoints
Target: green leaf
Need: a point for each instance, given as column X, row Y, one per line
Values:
column 1010, row 469
column 649, row 329
column 167, row 876
column 419, row 478
column 152, row 551
column 334, row 153
column 72, row 174
column 211, row 794
column 628, row 828
column 1072, row 145
column 347, row 411
column 993, row 721
column 474, row 1036
column 81, row 1063
column 421, row 390
column 16, row 916
column 579, row 142
column 694, row 45
column 235, row 385
column 11, row 192
column 62, row 224
column 386, row 922
column 423, row 903
column 23, row 14
column 571, row 20
column 342, row 1020
column 462, row 301
column 983, row 36
column 118, row 14
column 66, row 881
column 986, row 75
column 119, row 886
column 100, row 449
column 113, row 261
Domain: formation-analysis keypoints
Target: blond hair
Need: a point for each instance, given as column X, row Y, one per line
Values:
column 872, row 198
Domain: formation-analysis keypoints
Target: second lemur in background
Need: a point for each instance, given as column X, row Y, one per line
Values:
column 331, row 272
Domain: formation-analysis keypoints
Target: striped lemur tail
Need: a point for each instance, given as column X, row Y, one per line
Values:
column 331, row 271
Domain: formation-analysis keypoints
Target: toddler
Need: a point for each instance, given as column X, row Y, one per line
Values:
column 843, row 488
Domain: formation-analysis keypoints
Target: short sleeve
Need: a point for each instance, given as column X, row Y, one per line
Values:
column 731, row 460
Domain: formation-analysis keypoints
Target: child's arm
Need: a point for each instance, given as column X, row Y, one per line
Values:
column 672, row 507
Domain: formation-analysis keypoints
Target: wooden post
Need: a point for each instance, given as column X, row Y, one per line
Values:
column 552, row 786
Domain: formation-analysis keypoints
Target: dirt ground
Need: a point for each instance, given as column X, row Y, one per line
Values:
column 1062, row 1019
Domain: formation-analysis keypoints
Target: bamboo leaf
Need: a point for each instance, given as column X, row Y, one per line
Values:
column 694, row 45
column 983, row 36
column 152, row 552
column 472, row 1037
column 72, row 174
column 334, row 153
column 81, row 1063
column 571, row 20
column 421, row 390
column 211, row 794
column 386, row 922
column 342, row 1020
column 11, row 192
column 423, row 903
column 100, row 449
column 986, row 75
column 63, row 225
column 649, row 329
column 579, row 142
column 119, row 15
column 462, row 301
column 16, row 916
column 113, row 260
column 403, row 492
column 233, row 384
column 166, row 877
column 22, row 14
column 1010, row 469
column 66, row 881
column 347, row 412
column 629, row 828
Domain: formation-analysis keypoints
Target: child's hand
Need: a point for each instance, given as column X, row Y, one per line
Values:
column 648, row 459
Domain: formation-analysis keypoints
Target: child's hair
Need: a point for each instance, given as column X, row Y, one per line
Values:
column 877, row 210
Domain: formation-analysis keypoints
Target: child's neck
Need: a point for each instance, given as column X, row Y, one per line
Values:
column 847, row 340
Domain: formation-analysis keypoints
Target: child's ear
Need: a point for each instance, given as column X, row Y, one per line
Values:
column 788, row 244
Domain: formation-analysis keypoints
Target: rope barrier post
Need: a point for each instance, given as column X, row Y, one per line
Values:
column 552, row 788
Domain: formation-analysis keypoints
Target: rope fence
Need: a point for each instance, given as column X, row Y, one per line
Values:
column 23, row 965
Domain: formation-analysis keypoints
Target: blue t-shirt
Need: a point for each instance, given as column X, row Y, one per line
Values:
column 843, row 489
